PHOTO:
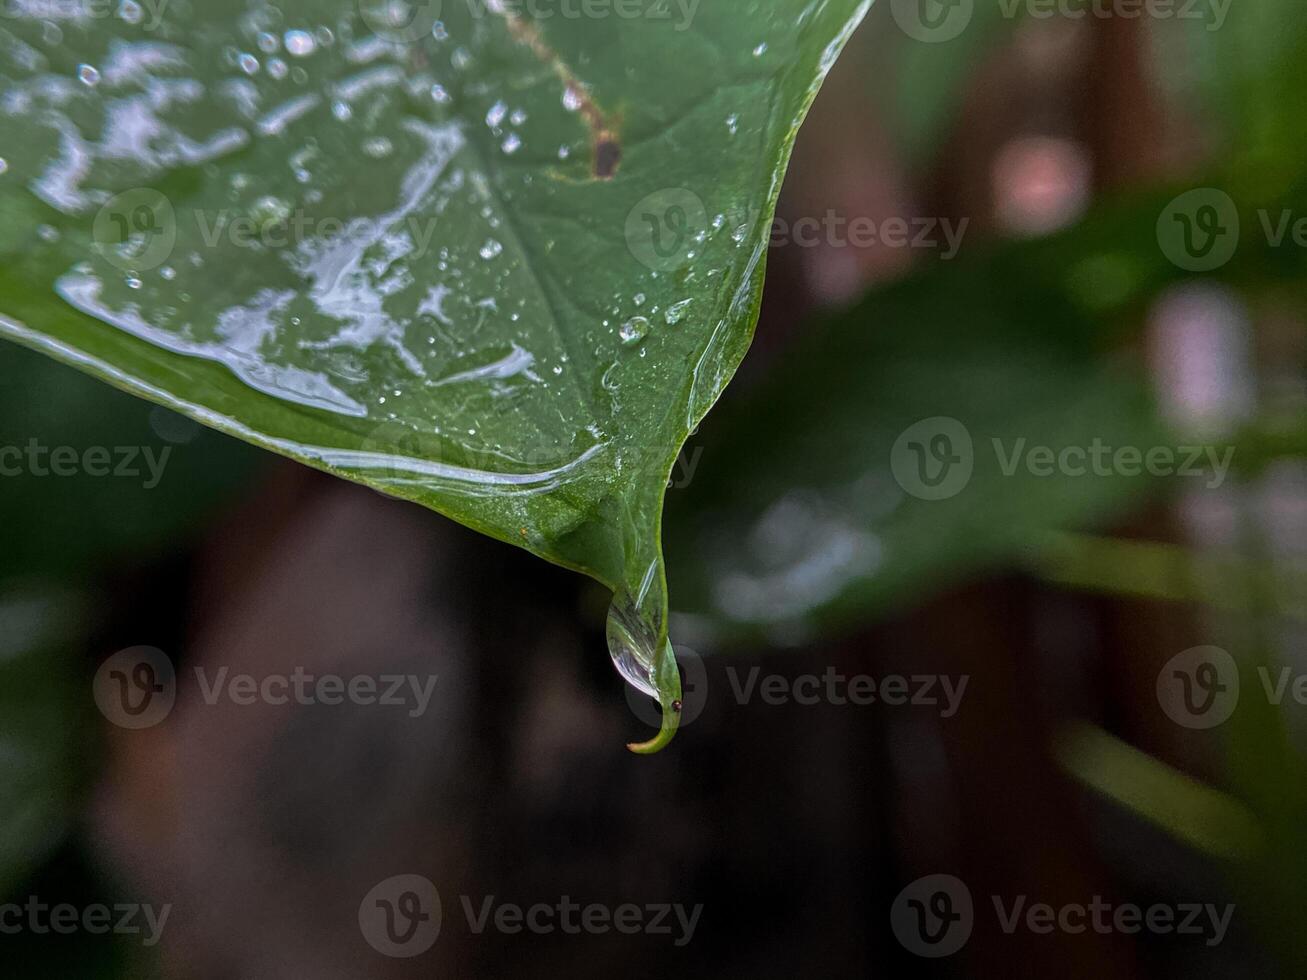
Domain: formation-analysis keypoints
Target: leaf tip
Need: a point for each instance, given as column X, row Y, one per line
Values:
column 671, row 720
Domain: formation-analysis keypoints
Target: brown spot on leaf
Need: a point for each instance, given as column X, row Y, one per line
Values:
column 608, row 155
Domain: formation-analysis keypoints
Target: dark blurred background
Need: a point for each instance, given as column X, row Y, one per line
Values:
column 1069, row 774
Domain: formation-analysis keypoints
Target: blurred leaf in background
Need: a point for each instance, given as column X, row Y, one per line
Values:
column 43, row 726
column 812, row 512
column 152, row 477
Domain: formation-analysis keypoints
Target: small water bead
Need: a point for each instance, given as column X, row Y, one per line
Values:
column 269, row 211
column 248, row 64
column 572, row 99
column 267, row 42
column 676, row 312
column 300, row 44
column 440, row 94
column 278, row 69
column 133, row 282
column 491, row 249
column 760, row 50
column 88, row 75
column 518, row 117
column 378, row 147
column 342, row 111
column 633, row 330
column 168, row 273
column 564, row 152
column 512, row 144
column 4, row 165
column 496, row 114
column 130, row 12
column 461, row 58
column 733, row 123
column 439, row 31
column 639, row 299
column 48, row 233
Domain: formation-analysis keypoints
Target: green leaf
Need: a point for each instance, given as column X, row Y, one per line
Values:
column 810, row 513
column 498, row 266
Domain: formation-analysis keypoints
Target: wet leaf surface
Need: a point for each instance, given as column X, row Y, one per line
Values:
column 495, row 265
